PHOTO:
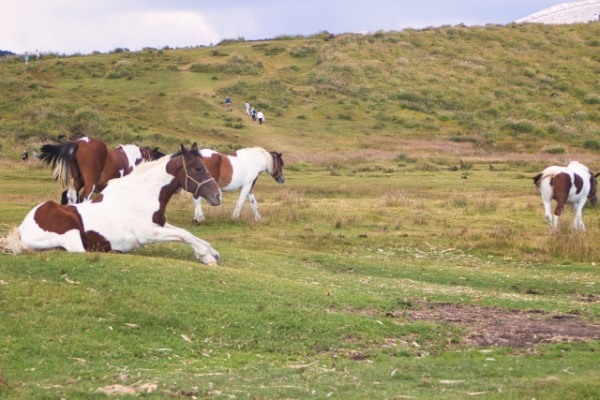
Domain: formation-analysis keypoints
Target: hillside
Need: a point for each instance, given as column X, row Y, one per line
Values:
column 566, row 13
column 498, row 89
column 407, row 255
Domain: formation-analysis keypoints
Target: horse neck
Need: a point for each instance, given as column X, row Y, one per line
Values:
column 151, row 176
column 268, row 164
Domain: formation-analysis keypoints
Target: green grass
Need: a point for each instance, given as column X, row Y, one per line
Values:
column 409, row 158
column 300, row 305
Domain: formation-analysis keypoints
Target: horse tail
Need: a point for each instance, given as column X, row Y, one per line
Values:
column 537, row 180
column 63, row 158
column 549, row 172
column 13, row 242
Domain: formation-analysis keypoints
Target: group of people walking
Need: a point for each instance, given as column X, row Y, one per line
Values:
column 251, row 111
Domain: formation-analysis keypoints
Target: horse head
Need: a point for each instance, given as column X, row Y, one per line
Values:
column 196, row 179
column 277, row 170
column 149, row 154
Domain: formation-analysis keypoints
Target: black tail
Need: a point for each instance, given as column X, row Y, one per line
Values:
column 537, row 180
column 63, row 159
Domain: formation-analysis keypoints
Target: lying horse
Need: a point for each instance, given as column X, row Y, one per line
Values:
column 86, row 165
column 128, row 213
column 573, row 184
column 239, row 171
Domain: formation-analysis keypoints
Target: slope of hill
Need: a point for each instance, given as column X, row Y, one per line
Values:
column 567, row 13
column 517, row 88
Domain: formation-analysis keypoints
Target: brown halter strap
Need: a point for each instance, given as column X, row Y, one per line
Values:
column 187, row 176
column 275, row 162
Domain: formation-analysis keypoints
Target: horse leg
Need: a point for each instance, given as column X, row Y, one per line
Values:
column 198, row 215
column 578, row 221
column 561, row 200
column 91, row 166
column 254, row 206
column 548, row 214
column 238, row 206
column 70, row 240
column 72, row 197
column 169, row 233
column 85, row 194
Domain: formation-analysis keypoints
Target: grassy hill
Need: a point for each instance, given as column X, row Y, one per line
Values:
column 406, row 256
column 523, row 88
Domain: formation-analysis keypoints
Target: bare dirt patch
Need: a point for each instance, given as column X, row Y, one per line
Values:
column 495, row 327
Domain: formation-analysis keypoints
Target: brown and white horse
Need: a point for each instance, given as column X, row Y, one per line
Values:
column 573, row 184
column 128, row 213
column 86, row 165
column 239, row 171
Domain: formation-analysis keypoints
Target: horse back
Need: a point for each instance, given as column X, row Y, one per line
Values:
column 219, row 167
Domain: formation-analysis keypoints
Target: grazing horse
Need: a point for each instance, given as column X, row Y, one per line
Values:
column 239, row 171
column 86, row 165
column 573, row 184
column 128, row 213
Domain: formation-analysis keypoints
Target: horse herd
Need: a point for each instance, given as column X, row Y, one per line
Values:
column 133, row 185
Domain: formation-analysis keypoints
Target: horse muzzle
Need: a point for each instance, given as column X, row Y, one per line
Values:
column 214, row 199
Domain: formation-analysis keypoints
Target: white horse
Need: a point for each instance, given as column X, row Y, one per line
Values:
column 573, row 184
column 128, row 213
column 239, row 171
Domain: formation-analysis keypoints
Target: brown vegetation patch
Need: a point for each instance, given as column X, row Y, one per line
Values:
column 495, row 327
column 384, row 149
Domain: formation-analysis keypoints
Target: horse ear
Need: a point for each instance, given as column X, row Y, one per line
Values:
column 195, row 146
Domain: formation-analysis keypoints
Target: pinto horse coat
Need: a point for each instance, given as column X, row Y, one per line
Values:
column 239, row 171
column 85, row 166
column 129, row 213
column 573, row 184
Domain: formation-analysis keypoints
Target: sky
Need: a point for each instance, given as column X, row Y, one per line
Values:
column 85, row 26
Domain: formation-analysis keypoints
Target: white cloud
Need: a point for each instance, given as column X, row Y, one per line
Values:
column 84, row 26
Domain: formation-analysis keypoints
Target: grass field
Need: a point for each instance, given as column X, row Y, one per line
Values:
column 406, row 256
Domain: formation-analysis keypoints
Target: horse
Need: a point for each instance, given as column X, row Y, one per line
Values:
column 573, row 184
column 85, row 166
column 127, row 214
column 239, row 171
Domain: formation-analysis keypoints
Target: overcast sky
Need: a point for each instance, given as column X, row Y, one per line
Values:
column 84, row 26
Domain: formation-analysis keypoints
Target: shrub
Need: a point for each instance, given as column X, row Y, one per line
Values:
column 554, row 150
column 592, row 99
column 591, row 144
column 303, row 50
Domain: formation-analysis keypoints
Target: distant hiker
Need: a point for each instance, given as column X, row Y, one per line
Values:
column 25, row 156
column 247, row 107
column 253, row 114
column 260, row 116
column 228, row 103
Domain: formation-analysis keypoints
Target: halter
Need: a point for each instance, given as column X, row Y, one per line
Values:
column 275, row 162
column 187, row 176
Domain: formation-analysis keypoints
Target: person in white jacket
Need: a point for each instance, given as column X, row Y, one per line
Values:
column 260, row 117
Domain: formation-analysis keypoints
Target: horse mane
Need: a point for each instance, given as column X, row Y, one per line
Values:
column 265, row 153
column 142, row 169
